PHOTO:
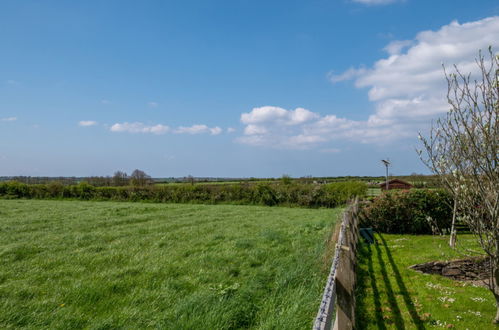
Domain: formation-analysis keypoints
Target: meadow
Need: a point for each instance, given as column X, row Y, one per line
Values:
column 110, row 265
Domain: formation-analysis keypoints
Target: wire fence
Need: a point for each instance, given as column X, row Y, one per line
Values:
column 338, row 299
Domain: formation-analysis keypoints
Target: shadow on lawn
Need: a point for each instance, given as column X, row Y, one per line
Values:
column 369, row 276
column 363, row 278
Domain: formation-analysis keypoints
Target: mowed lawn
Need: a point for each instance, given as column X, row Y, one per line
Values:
column 109, row 265
column 390, row 295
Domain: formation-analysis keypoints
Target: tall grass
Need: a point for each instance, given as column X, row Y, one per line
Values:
column 107, row 265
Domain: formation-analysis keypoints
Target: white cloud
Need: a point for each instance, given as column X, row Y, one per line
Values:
column 410, row 85
column 198, row 129
column 85, row 123
column 139, row 128
column 8, row 119
column 347, row 75
column 375, row 2
column 263, row 114
column 215, row 130
column 158, row 129
column 254, row 130
column 396, row 46
column 300, row 116
column 153, row 104
column 276, row 132
column 104, row 101
column 291, row 129
column 231, row 130
column 279, row 115
column 279, row 128
column 407, row 88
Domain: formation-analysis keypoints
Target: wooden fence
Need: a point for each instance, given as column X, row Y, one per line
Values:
column 337, row 309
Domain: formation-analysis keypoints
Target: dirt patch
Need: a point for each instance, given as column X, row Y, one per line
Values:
column 476, row 270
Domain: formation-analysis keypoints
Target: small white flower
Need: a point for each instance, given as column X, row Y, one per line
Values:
column 478, row 299
column 476, row 313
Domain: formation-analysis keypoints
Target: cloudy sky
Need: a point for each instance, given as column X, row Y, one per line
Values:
column 234, row 88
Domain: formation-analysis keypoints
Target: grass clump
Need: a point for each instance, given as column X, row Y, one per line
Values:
column 103, row 265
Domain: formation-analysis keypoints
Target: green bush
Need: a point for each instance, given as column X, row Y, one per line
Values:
column 265, row 195
column 344, row 191
column 55, row 189
column 416, row 211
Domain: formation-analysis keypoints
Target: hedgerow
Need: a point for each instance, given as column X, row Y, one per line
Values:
column 415, row 211
column 294, row 194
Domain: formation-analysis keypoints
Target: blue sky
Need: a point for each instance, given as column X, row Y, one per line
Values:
column 235, row 88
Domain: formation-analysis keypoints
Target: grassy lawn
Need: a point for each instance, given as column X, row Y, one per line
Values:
column 107, row 265
column 391, row 296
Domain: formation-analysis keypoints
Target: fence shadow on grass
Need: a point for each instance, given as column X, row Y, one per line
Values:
column 392, row 300
column 403, row 289
column 380, row 279
column 367, row 279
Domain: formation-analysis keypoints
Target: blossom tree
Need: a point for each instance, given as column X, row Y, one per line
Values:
column 463, row 150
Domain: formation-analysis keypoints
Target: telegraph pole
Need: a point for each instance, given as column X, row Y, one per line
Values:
column 386, row 163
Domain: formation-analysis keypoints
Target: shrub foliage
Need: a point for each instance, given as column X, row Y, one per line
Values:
column 304, row 195
column 416, row 211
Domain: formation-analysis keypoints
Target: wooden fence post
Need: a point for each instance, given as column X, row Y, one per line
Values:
column 339, row 291
column 345, row 277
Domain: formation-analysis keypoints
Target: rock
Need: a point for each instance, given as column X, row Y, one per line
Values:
column 469, row 270
column 449, row 271
column 471, row 275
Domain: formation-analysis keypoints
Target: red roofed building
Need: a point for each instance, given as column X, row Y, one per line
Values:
column 395, row 184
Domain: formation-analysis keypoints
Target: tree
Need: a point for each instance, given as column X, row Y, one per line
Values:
column 463, row 150
column 120, row 178
column 139, row 178
column 99, row 181
column 286, row 179
column 190, row 179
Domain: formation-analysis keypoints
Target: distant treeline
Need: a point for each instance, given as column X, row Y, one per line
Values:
column 284, row 193
column 140, row 178
column 120, row 178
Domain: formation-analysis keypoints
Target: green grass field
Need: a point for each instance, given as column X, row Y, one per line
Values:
column 392, row 296
column 107, row 265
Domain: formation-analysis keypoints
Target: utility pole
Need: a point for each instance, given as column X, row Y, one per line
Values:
column 386, row 163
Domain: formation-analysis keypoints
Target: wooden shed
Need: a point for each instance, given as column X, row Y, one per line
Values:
column 395, row 184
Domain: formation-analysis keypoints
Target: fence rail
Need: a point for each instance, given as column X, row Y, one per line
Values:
column 338, row 300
